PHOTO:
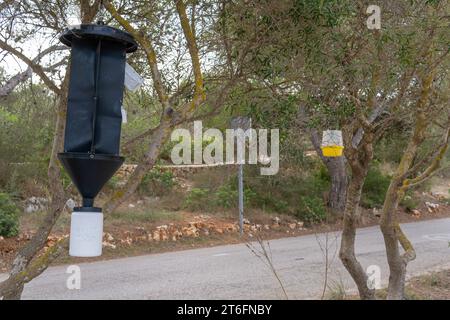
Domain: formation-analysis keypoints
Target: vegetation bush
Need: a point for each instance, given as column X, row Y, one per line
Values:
column 390, row 148
column 113, row 183
column 226, row 196
column 26, row 131
column 409, row 202
column 312, row 210
column 9, row 216
column 197, row 199
column 375, row 188
column 270, row 201
column 280, row 193
column 157, row 182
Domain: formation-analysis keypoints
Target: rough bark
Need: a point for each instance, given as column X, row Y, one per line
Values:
column 359, row 158
column 12, row 287
column 28, row 252
column 160, row 135
column 338, row 174
column 392, row 233
column 14, row 81
column 339, row 182
column 88, row 11
column 351, row 215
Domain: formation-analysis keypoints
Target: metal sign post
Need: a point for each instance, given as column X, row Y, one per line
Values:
column 243, row 123
column 241, row 198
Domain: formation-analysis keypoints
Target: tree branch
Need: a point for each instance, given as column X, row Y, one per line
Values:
column 147, row 46
column 193, row 51
column 435, row 164
column 10, row 286
column 20, row 77
column 34, row 66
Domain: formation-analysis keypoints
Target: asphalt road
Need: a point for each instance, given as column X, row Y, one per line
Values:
column 234, row 272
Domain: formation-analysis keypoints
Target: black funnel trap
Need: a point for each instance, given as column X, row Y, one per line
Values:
column 93, row 124
column 94, row 118
column 88, row 174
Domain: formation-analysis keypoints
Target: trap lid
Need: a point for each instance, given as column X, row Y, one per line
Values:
column 98, row 31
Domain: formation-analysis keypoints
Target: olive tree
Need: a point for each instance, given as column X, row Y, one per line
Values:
column 349, row 76
column 175, row 39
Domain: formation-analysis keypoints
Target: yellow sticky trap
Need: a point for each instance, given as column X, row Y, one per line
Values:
column 332, row 151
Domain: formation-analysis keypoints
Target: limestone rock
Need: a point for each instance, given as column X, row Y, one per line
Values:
column 35, row 204
column 127, row 241
column 109, row 245
column 376, row 212
column 156, row 236
column 432, row 207
column 71, row 204
column 416, row 213
column 190, row 231
column 276, row 220
column 108, row 237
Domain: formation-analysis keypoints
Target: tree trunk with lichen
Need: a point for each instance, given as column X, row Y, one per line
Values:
column 339, row 184
column 158, row 138
column 336, row 167
column 351, row 217
column 13, row 287
column 400, row 183
column 359, row 159
column 392, row 235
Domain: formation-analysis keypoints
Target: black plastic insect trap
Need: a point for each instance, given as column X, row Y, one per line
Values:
column 94, row 118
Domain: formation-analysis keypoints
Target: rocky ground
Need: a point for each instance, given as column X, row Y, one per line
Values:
column 433, row 286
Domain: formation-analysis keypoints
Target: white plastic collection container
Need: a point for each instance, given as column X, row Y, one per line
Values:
column 86, row 234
